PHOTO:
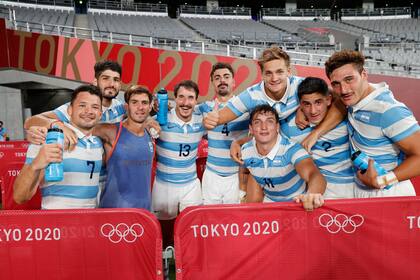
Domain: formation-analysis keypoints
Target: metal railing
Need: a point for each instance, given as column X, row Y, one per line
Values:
column 231, row 11
column 304, row 57
column 327, row 12
column 65, row 3
column 127, row 6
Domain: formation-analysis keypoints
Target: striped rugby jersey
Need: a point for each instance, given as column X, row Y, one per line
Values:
column 276, row 172
column 176, row 149
column 255, row 95
column 378, row 121
column 331, row 152
column 82, row 166
column 219, row 140
column 112, row 114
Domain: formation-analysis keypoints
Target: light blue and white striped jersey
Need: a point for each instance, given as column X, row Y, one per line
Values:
column 112, row 114
column 276, row 172
column 219, row 140
column 378, row 121
column 79, row 187
column 331, row 152
column 255, row 95
column 176, row 149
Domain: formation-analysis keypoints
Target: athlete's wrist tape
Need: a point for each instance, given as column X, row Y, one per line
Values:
column 387, row 179
column 242, row 194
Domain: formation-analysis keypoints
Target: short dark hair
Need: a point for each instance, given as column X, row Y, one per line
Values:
column 102, row 66
column 342, row 58
column 221, row 65
column 132, row 90
column 188, row 84
column 93, row 90
column 265, row 108
column 1, row 122
column 312, row 85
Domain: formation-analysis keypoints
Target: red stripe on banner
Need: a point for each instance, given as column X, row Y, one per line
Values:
column 345, row 239
column 80, row 244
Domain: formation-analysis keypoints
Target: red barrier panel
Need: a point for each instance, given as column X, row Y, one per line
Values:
column 80, row 244
column 12, row 158
column 347, row 239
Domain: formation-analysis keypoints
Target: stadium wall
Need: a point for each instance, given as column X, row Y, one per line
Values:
column 73, row 59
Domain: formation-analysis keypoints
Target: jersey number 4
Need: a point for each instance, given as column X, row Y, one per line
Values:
column 225, row 129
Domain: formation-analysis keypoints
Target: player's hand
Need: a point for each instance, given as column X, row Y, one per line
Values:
column 310, row 140
column 47, row 154
column 235, row 152
column 153, row 127
column 70, row 138
column 368, row 178
column 211, row 120
column 310, row 201
column 300, row 120
column 36, row 135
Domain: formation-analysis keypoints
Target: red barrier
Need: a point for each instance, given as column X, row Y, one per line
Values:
column 80, row 244
column 347, row 239
column 12, row 158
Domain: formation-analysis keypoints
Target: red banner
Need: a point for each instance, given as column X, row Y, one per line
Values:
column 80, row 244
column 347, row 239
column 12, row 158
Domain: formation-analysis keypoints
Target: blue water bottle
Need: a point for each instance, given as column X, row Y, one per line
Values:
column 162, row 114
column 54, row 170
column 361, row 161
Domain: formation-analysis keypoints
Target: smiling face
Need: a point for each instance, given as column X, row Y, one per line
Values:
column 138, row 107
column 275, row 74
column 349, row 84
column 85, row 111
column 109, row 83
column 185, row 102
column 315, row 106
column 223, row 82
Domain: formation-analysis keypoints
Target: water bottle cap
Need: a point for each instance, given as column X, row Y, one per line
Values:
column 55, row 129
column 355, row 155
column 162, row 91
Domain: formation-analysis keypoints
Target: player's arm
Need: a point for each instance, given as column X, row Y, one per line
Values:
column 108, row 134
column 215, row 118
column 31, row 174
column 405, row 171
column 36, row 135
column 308, row 171
column 336, row 114
column 254, row 192
column 409, row 168
column 235, row 148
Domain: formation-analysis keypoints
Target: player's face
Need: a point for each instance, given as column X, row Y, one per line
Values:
column 275, row 75
column 350, row 85
column 138, row 107
column 315, row 106
column 185, row 103
column 223, row 82
column 265, row 128
column 109, row 83
column 86, row 111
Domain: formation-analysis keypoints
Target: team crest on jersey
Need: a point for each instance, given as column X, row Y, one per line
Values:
column 151, row 147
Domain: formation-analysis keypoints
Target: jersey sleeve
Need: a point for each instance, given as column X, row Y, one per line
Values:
column 399, row 123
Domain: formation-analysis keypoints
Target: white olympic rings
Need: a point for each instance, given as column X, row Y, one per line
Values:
column 340, row 222
column 122, row 232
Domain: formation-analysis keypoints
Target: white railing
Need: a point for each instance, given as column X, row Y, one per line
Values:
column 243, row 51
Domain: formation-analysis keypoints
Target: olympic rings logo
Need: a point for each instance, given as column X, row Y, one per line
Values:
column 122, row 232
column 341, row 222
